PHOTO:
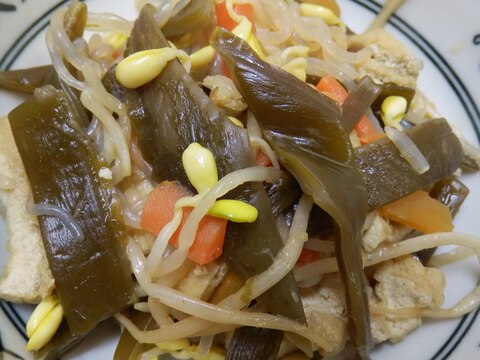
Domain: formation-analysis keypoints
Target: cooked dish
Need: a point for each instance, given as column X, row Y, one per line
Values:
column 233, row 179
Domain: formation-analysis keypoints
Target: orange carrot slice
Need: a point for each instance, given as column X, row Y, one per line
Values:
column 158, row 211
column 330, row 86
column 420, row 211
column 223, row 18
column 262, row 159
column 307, row 256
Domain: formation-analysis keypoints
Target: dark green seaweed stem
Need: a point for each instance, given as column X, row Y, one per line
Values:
column 27, row 80
column 307, row 133
column 91, row 272
column 388, row 176
column 171, row 112
column 194, row 17
column 451, row 192
column 92, row 275
column 128, row 348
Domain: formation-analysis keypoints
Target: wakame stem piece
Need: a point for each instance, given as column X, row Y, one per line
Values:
column 172, row 112
column 92, row 276
column 388, row 176
column 306, row 131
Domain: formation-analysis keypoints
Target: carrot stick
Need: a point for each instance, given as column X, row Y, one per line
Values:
column 330, row 86
column 307, row 256
column 420, row 211
column 223, row 18
column 262, row 159
column 158, row 211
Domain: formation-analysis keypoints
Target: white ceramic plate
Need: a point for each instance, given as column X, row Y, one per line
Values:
column 444, row 34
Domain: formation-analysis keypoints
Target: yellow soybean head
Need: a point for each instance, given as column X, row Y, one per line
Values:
column 40, row 313
column 234, row 210
column 393, row 110
column 253, row 42
column 200, row 166
column 236, row 121
column 46, row 328
column 116, row 39
column 144, row 66
column 297, row 67
column 202, row 57
column 244, row 30
column 295, row 51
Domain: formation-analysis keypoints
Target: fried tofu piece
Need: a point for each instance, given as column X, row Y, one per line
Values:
column 404, row 283
column 324, row 306
column 380, row 230
column 26, row 277
column 203, row 279
column 391, row 60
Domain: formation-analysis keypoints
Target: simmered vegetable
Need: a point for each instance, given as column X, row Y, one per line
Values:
column 305, row 128
column 207, row 275
column 255, row 343
column 158, row 211
column 419, row 211
column 175, row 113
column 452, row 193
column 26, row 80
column 196, row 16
column 389, row 176
column 223, row 18
column 128, row 348
column 354, row 105
column 82, row 238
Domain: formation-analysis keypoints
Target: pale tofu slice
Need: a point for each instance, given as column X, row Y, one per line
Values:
column 391, row 60
column 381, row 231
column 203, row 279
column 26, row 277
column 325, row 310
column 404, row 283
column 401, row 283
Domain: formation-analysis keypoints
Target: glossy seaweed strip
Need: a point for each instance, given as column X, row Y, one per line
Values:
column 92, row 275
column 306, row 130
column 388, row 176
column 60, row 344
column 359, row 101
column 26, row 80
column 176, row 112
column 451, row 192
column 254, row 343
column 194, row 17
column 128, row 348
